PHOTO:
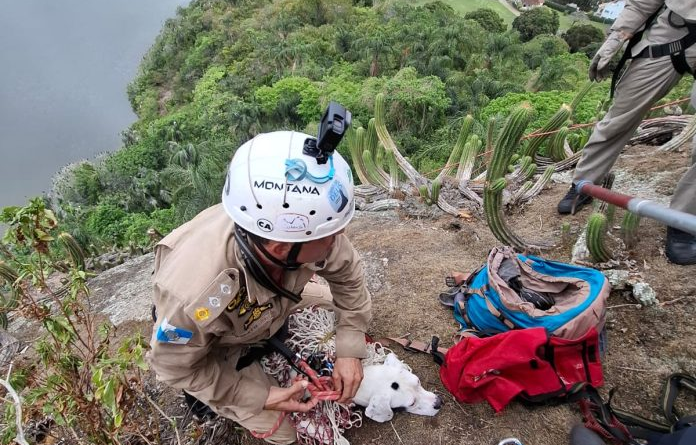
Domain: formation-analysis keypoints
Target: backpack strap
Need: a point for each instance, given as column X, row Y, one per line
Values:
column 481, row 292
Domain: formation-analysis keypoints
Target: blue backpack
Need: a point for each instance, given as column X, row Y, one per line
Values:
column 513, row 291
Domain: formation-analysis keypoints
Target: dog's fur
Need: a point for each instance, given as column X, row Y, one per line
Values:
column 393, row 387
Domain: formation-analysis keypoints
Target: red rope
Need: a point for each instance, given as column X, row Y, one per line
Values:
column 319, row 387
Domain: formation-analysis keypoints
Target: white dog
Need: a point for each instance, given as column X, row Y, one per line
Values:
column 393, row 387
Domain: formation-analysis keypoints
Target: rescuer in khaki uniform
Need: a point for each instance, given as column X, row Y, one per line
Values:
column 229, row 278
column 660, row 56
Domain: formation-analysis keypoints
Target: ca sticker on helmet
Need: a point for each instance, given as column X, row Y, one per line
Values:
column 337, row 197
column 292, row 222
column 264, row 225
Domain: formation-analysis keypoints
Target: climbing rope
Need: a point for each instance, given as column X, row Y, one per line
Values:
column 312, row 336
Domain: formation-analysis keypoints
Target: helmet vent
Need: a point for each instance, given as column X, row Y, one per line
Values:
column 243, row 208
column 286, row 205
column 329, row 218
column 259, row 206
column 312, row 212
column 308, row 232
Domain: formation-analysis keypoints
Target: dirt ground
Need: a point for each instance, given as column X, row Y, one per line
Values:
column 406, row 260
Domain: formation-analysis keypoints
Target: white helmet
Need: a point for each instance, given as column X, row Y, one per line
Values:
column 276, row 192
column 685, row 8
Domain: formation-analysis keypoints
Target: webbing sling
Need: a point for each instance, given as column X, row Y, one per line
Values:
column 676, row 50
column 614, row 423
column 644, row 428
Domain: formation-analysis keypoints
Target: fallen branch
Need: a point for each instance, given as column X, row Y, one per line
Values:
column 18, row 412
column 171, row 421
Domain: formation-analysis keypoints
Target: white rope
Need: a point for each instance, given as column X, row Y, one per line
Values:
column 313, row 331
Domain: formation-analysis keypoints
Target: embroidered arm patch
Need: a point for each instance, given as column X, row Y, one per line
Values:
column 167, row 333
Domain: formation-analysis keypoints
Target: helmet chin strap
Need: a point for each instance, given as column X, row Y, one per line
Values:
column 257, row 270
column 290, row 263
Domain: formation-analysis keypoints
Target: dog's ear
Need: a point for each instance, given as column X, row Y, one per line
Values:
column 393, row 360
column 379, row 409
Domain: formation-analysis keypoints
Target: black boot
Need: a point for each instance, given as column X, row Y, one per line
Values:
column 580, row 435
column 680, row 247
column 199, row 410
column 573, row 201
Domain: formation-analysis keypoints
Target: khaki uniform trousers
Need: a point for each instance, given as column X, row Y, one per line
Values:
column 314, row 294
column 644, row 82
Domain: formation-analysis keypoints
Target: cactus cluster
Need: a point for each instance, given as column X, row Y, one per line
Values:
column 506, row 163
column 629, row 227
column 554, row 123
column 505, row 146
column 596, row 231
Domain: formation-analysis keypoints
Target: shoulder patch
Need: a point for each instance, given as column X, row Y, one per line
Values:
column 167, row 333
column 215, row 298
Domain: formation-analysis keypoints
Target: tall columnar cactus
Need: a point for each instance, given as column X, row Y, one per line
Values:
column 539, row 185
column 467, row 161
column 553, row 124
column 385, row 138
column 372, row 170
column 629, row 227
column 354, row 138
column 587, row 86
column 557, row 150
column 9, row 301
column 459, row 147
column 596, row 231
column 77, row 255
column 505, row 146
column 393, row 170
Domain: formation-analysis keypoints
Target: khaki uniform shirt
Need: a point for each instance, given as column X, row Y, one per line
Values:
column 634, row 16
column 210, row 309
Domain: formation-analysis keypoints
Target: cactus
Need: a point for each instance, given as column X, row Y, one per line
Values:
column 354, row 138
column 538, row 186
column 581, row 95
column 529, row 171
column 371, row 170
column 73, row 249
column 505, row 146
column 8, row 302
column 557, row 145
column 468, row 158
column 554, row 123
column 458, row 149
column 435, row 191
column 596, row 231
column 629, row 227
column 385, row 138
column 371, row 140
column 393, row 171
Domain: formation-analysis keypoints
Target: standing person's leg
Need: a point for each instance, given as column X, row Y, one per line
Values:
column 644, row 82
column 680, row 247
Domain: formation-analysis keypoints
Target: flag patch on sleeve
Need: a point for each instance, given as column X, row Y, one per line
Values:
column 167, row 333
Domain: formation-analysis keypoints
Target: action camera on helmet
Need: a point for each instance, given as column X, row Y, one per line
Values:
column 332, row 128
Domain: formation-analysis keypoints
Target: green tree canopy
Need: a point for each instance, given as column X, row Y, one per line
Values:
column 488, row 19
column 540, row 48
column 579, row 36
column 536, row 21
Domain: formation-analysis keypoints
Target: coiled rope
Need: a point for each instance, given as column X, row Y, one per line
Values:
column 312, row 334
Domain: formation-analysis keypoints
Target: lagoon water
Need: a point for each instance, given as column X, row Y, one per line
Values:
column 64, row 69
